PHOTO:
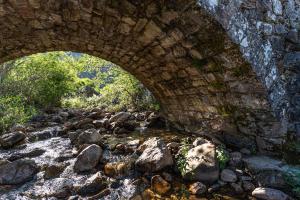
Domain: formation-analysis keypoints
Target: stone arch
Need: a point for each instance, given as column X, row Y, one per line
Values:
column 185, row 52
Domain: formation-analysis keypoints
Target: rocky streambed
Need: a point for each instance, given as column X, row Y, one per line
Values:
column 76, row 154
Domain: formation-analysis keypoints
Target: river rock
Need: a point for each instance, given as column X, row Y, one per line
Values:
column 228, row 175
column 88, row 158
column 202, row 164
column 117, row 169
column 17, row 172
column 262, row 163
column 248, row 186
column 120, row 117
column 53, row 170
column 10, row 139
column 200, row 140
column 92, row 186
column 159, row 185
column 197, row 188
column 156, row 156
column 90, row 136
column 269, row 194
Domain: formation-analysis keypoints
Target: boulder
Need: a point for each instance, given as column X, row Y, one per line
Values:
column 91, row 136
column 92, row 186
column 10, row 139
column 197, row 188
column 17, row 172
column 120, row 117
column 228, row 175
column 88, row 158
column 262, row 163
column 159, row 185
column 155, row 156
column 202, row 164
column 200, row 140
column 269, row 194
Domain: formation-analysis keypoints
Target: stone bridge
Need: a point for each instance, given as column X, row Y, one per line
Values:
column 227, row 66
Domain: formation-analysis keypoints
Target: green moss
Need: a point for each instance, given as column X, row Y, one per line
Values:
column 292, row 178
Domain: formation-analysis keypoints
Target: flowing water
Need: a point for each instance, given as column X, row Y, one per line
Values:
column 54, row 150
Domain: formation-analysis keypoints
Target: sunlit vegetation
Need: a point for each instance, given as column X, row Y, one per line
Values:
column 63, row 79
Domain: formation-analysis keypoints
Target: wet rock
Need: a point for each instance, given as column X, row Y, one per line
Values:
column 200, row 140
column 99, row 123
column 235, row 159
column 213, row 188
column 271, row 178
column 88, row 158
column 155, row 121
column 54, row 170
column 245, row 151
column 121, row 130
column 91, row 136
column 16, row 172
column 248, row 186
column 10, row 139
column 60, row 188
column 228, row 175
column 159, row 185
column 261, row 163
column 269, row 194
column 92, row 186
column 46, row 133
column 120, row 117
column 31, row 154
column 73, row 135
column 155, row 156
column 237, row 187
column 168, row 177
column 197, row 188
column 202, row 164
column 100, row 195
column 117, row 169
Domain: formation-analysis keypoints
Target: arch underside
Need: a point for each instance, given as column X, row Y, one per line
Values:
column 174, row 48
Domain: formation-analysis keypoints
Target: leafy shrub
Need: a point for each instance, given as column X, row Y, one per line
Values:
column 181, row 161
column 222, row 156
column 13, row 110
column 42, row 79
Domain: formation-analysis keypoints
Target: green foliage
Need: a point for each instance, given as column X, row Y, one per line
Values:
column 181, row 161
column 184, row 193
column 13, row 110
column 222, row 156
column 118, row 89
column 42, row 79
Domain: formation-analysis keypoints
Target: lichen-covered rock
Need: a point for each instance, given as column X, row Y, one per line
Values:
column 155, row 156
column 88, row 158
column 202, row 164
column 10, row 139
column 16, row 172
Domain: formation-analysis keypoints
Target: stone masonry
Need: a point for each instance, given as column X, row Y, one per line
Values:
column 225, row 66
